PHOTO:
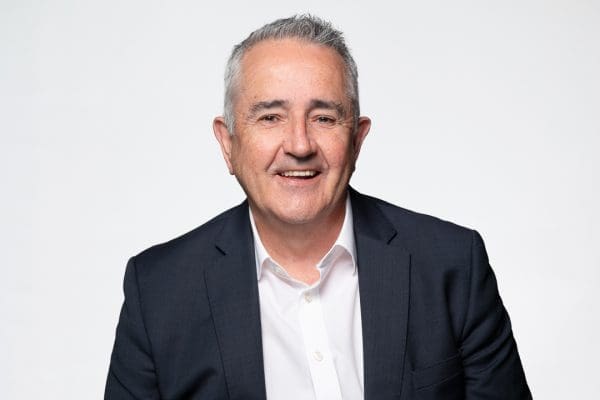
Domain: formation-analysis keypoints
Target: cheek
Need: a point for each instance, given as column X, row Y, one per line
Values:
column 253, row 156
column 338, row 153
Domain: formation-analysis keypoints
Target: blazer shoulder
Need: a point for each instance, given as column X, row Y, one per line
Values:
column 191, row 247
column 416, row 222
column 426, row 236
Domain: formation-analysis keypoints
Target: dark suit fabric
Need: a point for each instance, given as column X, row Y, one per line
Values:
column 434, row 326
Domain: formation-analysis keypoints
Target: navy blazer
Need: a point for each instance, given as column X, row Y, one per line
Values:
column 433, row 324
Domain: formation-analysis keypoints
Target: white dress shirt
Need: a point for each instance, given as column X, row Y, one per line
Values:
column 312, row 335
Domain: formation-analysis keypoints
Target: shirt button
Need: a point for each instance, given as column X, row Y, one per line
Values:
column 307, row 297
column 318, row 356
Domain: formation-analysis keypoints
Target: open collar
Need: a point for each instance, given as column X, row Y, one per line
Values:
column 345, row 240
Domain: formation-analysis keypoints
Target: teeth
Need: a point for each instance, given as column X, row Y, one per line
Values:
column 299, row 173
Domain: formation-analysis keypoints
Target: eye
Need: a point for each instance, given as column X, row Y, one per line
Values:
column 270, row 118
column 325, row 120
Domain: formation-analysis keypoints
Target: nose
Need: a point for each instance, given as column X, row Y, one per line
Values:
column 298, row 142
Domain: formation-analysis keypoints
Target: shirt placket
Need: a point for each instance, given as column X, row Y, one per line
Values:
column 316, row 345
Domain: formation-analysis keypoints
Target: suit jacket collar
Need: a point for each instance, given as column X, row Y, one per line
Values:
column 384, row 282
column 233, row 298
column 384, row 273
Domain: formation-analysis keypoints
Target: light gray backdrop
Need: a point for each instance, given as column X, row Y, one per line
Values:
column 484, row 113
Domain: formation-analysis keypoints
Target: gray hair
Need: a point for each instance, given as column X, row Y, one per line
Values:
column 303, row 27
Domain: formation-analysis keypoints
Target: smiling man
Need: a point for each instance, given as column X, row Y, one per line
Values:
column 310, row 290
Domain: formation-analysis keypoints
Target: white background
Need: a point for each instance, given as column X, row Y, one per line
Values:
column 484, row 113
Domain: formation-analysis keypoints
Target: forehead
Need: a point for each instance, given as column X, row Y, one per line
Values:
column 290, row 49
column 291, row 67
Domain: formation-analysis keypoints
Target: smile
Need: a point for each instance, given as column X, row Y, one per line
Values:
column 299, row 174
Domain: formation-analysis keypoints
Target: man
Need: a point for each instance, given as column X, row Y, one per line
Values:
column 310, row 290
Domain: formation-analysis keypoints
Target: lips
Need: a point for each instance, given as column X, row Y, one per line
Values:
column 305, row 174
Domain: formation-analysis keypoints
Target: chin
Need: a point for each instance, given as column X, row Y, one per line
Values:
column 305, row 209
column 296, row 216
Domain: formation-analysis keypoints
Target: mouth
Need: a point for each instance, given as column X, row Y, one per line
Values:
column 299, row 174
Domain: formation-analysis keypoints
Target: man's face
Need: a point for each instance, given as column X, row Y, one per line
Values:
column 293, row 150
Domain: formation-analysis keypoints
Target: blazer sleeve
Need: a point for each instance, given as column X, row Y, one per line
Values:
column 491, row 362
column 131, row 373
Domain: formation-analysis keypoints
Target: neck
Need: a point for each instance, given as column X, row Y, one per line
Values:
column 299, row 247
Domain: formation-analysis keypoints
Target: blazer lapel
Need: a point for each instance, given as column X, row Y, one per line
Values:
column 384, row 282
column 233, row 296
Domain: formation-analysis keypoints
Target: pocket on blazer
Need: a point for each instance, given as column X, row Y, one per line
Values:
column 440, row 372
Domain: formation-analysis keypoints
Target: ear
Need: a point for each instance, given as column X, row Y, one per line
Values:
column 225, row 140
column 364, row 125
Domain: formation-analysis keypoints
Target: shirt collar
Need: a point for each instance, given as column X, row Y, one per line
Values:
column 345, row 240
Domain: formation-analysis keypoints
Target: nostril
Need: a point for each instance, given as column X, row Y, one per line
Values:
column 304, row 158
column 300, row 152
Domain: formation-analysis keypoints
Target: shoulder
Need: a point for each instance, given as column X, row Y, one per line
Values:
column 191, row 251
column 415, row 229
column 435, row 245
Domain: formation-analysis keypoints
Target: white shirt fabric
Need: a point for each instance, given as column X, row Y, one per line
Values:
column 312, row 335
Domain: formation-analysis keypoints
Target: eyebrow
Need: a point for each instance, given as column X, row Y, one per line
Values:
column 314, row 104
column 265, row 105
column 328, row 105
